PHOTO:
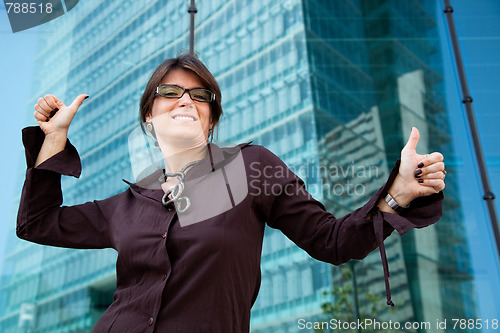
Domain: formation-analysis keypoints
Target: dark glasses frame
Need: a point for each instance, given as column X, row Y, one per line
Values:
column 193, row 90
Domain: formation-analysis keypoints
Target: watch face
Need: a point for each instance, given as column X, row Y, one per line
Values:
column 392, row 203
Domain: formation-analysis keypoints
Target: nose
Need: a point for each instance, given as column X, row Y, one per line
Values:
column 185, row 99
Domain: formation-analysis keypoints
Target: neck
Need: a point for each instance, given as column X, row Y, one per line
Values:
column 176, row 158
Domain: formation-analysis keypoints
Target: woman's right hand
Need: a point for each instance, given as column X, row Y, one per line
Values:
column 53, row 116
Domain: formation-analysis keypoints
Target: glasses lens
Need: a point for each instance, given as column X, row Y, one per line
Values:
column 201, row 95
column 170, row 91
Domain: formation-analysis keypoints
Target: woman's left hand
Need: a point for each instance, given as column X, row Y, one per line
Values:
column 419, row 175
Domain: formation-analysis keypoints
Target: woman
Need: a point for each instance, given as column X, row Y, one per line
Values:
column 203, row 275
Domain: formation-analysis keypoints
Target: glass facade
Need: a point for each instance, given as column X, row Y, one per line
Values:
column 333, row 88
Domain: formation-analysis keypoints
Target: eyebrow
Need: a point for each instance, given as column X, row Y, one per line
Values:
column 178, row 85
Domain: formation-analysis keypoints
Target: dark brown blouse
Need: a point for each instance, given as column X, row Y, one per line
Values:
column 202, row 277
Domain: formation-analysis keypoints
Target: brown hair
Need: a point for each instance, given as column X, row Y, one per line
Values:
column 188, row 62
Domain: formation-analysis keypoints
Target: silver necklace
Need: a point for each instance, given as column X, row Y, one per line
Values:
column 177, row 189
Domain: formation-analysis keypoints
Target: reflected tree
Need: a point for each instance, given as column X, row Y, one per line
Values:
column 352, row 304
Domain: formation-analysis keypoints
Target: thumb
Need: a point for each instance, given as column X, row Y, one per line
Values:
column 78, row 101
column 412, row 140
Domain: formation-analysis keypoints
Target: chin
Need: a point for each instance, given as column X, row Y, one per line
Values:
column 185, row 137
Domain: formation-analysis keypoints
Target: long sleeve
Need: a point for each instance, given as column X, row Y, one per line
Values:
column 41, row 218
column 287, row 206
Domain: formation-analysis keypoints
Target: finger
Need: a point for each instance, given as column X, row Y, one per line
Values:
column 411, row 145
column 39, row 109
column 53, row 102
column 434, row 175
column 43, row 105
column 40, row 117
column 431, row 158
column 437, row 184
column 435, row 167
column 78, row 101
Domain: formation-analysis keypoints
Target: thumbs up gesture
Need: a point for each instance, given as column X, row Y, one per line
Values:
column 53, row 116
column 419, row 175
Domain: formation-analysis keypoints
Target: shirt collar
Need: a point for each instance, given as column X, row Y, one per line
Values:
column 217, row 157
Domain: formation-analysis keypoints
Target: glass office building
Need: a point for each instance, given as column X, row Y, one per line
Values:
column 333, row 88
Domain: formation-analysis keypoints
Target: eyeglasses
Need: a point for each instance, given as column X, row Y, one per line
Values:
column 196, row 94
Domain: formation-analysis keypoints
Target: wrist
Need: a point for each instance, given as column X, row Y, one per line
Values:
column 56, row 137
column 393, row 205
column 399, row 192
column 53, row 143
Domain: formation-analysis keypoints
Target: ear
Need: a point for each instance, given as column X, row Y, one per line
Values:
column 148, row 118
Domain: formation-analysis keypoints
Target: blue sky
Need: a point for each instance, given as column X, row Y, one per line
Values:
column 16, row 66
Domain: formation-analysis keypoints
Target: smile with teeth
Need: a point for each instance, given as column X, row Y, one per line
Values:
column 184, row 117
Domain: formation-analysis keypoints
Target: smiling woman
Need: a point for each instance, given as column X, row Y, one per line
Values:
column 189, row 249
column 181, row 123
column 193, row 70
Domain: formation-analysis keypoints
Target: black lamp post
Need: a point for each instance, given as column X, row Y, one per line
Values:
column 192, row 12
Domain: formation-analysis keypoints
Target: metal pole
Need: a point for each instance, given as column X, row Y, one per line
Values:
column 192, row 11
column 488, row 195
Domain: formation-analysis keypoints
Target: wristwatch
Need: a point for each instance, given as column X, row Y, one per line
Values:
column 394, row 205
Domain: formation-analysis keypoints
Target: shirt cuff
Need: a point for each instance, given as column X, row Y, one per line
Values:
column 66, row 162
column 422, row 212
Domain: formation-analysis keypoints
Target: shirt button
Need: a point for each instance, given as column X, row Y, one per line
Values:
column 164, row 235
column 150, row 321
column 164, row 277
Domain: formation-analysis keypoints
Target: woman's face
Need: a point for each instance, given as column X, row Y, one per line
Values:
column 181, row 120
